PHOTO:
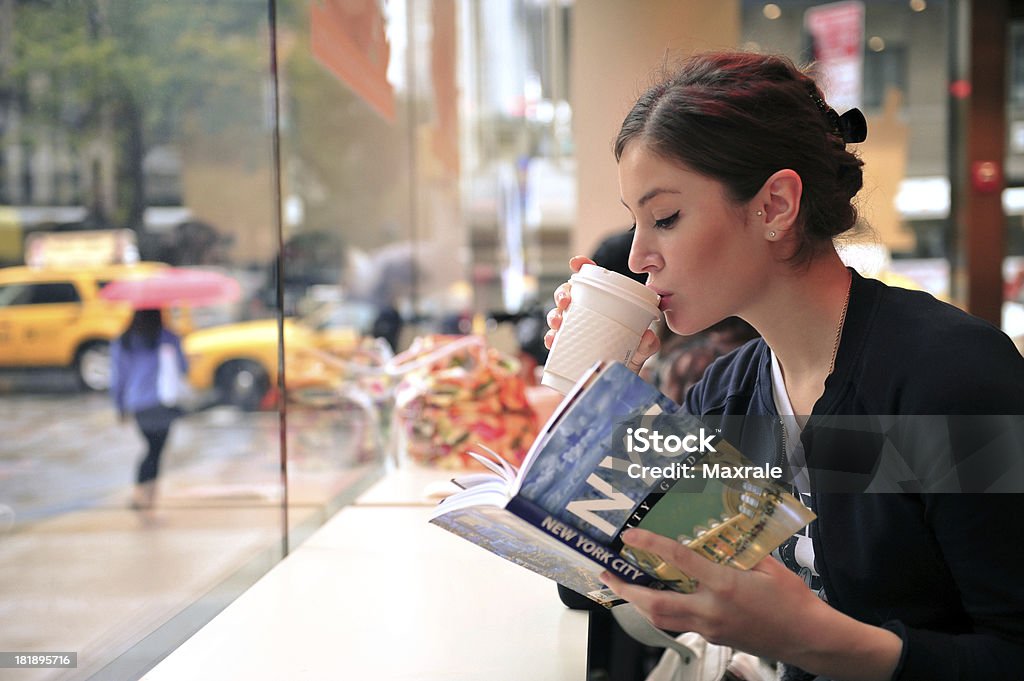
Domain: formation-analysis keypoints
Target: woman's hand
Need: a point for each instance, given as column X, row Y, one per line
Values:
column 649, row 342
column 753, row 610
column 766, row 611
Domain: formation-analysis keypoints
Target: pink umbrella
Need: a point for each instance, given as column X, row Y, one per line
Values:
column 174, row 287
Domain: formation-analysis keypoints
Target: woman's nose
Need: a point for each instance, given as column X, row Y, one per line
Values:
column 641, row 258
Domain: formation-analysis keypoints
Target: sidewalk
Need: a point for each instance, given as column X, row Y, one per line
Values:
column 108, row 581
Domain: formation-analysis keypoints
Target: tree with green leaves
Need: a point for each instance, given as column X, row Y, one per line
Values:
column 119, row 76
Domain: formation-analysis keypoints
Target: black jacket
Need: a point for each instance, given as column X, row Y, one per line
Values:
column 943, row 571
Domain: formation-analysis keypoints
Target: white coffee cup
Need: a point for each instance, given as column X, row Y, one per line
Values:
column 607, row 317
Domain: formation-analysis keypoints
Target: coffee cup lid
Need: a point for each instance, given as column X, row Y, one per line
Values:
column 617, row 283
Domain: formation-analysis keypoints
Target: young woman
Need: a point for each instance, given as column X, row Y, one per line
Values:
column 738, row 177
column 135, row 362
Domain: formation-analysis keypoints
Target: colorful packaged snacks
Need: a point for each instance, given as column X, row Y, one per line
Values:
column 457, row 394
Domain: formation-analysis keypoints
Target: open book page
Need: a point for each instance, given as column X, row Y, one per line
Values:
column 493, row 462
column 467, row 480
column 479, row 489
column 514, row 539
column 497, row 479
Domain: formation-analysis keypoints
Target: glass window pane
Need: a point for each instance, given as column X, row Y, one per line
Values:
column 155, row 118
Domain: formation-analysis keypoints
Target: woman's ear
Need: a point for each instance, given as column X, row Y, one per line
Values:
column 777, row 204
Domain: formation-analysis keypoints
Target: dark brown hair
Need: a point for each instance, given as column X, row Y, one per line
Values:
column 143, row 331
column 739, row 117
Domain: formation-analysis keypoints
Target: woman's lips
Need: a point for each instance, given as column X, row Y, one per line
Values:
column 665, row 297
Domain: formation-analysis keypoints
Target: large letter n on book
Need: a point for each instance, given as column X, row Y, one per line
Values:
column 586, row 508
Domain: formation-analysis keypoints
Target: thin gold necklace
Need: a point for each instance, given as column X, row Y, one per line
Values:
column 831, row 366
column 839, row 329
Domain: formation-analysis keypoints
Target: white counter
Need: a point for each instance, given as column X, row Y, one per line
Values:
column 378, row 593
column 409, row 485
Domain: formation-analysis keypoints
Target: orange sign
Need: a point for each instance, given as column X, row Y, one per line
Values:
column 348, row 38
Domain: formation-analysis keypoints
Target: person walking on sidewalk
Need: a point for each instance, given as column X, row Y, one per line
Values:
column 136, row 383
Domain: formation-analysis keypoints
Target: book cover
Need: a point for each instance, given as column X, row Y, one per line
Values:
column 617, row 454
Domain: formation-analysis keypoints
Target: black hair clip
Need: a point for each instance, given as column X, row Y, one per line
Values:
column 851, row 126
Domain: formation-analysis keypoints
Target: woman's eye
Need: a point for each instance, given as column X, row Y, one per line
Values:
column 665, row 223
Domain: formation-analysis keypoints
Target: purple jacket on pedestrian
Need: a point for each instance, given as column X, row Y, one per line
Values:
column 133, row 384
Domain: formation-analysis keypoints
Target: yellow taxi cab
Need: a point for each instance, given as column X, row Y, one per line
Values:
column 54, row 317
column 239, row 362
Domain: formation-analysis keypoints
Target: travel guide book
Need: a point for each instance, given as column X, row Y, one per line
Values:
column 616, row 454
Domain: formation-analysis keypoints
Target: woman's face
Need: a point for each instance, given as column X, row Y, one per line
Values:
column 693, row 242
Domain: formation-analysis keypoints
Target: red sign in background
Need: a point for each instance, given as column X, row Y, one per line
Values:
column 348, row 38
column 838, row 33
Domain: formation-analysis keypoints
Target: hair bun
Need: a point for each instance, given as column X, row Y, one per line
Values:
column 853, row 126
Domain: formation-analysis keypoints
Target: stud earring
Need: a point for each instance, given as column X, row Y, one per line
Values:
column 759, row 213
column 771, row 235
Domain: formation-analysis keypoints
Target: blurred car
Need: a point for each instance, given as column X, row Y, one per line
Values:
column 239, row 362
column 55, row 318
